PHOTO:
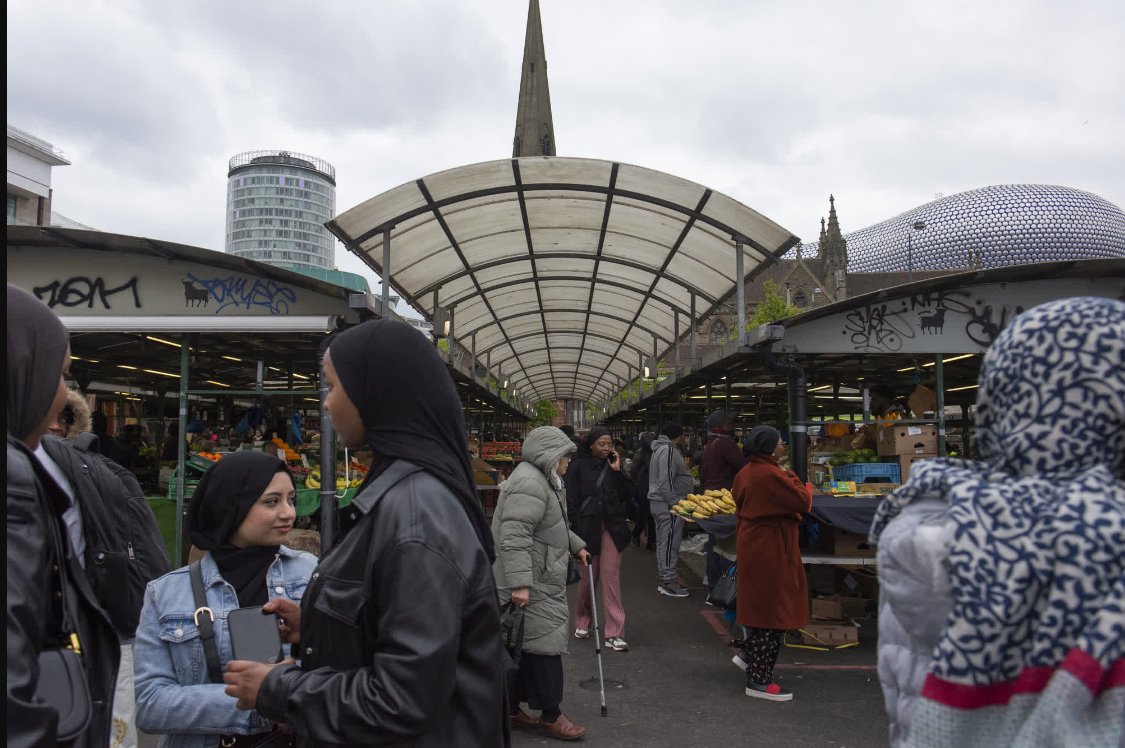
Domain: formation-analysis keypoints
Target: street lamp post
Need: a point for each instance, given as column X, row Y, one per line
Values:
column 917, row 226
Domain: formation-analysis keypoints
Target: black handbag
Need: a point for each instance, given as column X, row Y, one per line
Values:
column 725, row 592
column 62, row 679
column 511, row 627
column 62, row 684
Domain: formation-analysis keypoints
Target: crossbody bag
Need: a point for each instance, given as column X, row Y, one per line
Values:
column 205, row 620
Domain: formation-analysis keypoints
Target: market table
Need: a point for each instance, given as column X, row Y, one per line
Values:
column 308, row 500
column 849, row 513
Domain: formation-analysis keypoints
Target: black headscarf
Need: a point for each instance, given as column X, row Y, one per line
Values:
column 37, row 343
column 221, row 501
column 409, row 407
column 762, row 440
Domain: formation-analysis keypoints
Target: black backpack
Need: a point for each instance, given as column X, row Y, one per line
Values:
column 124, row 547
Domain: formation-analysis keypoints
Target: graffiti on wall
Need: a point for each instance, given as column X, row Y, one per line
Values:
column 239, row 292
column 81, row 290
column 884, row 327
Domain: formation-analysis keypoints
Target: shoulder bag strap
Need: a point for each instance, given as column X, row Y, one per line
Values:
column 206, row 623
column 605, row 469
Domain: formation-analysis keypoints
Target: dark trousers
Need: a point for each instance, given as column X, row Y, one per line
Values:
column 760, row 652
column 539, row 683
column 644, row 522
column 716, row 565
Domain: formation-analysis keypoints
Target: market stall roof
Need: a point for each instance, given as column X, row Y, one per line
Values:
column 889, row 336
column 565, row 272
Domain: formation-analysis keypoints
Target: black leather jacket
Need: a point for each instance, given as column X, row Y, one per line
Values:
column 400, row 629
column 35, row 506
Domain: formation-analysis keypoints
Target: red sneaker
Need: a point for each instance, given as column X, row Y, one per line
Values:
column 768, row 691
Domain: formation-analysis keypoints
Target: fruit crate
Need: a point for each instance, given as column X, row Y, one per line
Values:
column 868, row 472
column 189, row 486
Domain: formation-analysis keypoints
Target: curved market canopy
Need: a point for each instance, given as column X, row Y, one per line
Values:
column 563, row 273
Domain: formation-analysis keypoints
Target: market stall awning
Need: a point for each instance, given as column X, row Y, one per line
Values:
column 563, row 273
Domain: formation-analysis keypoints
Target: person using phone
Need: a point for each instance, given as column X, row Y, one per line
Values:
column 240, row 514
column 596, row 492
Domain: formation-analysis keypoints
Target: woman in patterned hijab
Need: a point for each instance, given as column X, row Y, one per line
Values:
column 1002, row 607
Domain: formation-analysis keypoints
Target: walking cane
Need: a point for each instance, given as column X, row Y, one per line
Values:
column 597, row 638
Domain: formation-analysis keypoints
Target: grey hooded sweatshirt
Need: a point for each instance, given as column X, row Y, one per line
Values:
column 668, row 477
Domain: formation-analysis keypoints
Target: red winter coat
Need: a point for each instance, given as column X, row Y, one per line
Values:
column 772, row 587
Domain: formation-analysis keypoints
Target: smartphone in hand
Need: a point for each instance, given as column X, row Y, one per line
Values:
column 254, row 635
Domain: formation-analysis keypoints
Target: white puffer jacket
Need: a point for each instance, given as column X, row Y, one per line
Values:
column 914, row 603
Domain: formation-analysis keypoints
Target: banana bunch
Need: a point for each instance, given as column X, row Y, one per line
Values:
column 707, row 504
column 313, row 481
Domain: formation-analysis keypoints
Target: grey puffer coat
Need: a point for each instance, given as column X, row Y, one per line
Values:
column 914, row 603
column 534, row 540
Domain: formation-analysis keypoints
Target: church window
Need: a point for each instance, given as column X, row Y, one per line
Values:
column 718, row 332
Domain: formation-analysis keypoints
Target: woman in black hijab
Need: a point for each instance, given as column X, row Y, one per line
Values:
column 400, row 629
column 44, row 566
column 240, row 514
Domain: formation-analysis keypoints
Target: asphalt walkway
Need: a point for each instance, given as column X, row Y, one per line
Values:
column 677, row 687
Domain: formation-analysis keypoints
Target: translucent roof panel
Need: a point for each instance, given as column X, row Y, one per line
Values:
column 562, row 272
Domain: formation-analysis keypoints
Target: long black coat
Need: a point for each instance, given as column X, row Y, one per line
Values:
column 606, row 510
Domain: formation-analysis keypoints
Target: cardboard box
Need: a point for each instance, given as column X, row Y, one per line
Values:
column 838, row 608
column 905, row 461
column 837, row 542
column 881, row 489
column 829, row 632
column 906, row 440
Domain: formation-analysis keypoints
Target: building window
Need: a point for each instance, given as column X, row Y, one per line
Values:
column 11, row 208
column 718, row 332
column 800, row 298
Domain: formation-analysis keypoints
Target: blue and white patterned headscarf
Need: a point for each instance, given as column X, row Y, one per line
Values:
column 1037, row 564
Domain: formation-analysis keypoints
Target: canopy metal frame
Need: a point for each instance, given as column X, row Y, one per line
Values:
column 523, row 248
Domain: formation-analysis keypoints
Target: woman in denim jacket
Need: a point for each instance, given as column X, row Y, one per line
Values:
column 240, row 513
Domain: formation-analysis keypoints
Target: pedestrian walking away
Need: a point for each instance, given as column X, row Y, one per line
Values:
column 596, row 493
column 534, row 546
column 669, row 481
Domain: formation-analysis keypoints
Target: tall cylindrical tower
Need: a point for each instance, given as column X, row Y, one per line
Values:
column 277, row 204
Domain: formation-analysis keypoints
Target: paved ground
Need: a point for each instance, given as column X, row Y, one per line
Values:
column 677, row 687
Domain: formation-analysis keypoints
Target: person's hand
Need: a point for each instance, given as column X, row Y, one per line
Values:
column 614, row 462
column 583, row 557
column 521, row 595
column 289, row 618
column 244, row 680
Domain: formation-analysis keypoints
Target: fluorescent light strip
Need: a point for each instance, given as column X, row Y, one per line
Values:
column 959, row 389
column 232, row 358
column 162, row 340
column 821, row 387
column 161, row 373
column 220, row 384
column 130, row 368
column 948, row 360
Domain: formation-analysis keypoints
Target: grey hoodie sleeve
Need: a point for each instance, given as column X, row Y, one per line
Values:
column 668, row 478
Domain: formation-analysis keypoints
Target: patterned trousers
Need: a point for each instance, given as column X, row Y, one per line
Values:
column 760, row 652
column 607, row 570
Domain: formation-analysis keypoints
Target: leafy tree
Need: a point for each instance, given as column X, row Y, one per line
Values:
column 543, row 413
column 772, row 307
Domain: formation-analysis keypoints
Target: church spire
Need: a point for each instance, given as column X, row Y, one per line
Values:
column 535, row 130
column 833, row 222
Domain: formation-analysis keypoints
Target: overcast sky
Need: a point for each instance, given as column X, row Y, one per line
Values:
column 777, row 103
